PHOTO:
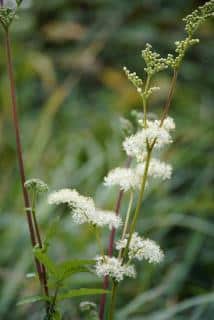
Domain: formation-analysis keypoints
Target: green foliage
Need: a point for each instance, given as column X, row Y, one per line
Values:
column 29, row 300
column 62, row 271
column 51, row 232
column 80, row 292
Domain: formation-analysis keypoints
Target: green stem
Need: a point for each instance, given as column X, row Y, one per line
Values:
column 99, row 242
column 145, row 100
column 38, row 236
column 113, row 300
column 170, row 96
column 140, row 198
column 125, row 228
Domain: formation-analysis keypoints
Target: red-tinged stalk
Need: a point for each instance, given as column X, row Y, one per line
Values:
column 170, row 96
column 32, row 223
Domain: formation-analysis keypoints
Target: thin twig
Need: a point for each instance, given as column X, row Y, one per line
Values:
column 170, row 96
column 41, row 271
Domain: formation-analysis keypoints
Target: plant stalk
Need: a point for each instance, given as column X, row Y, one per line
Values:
column 39, row 240
column 145, row 101
column 113, row 301
column 110, row 250
column 140, row 198
column 28, row 210
column 170, row 96
column 125, row 228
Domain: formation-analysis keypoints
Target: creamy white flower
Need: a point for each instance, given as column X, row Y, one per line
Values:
column 136, row 145
column 83, row 209
column 147, row 249
column 169, row 124
column 157, row 169
column 113, row 267
column 66, row 196
column 106, row 218
column 121, row 244
column 125, row 178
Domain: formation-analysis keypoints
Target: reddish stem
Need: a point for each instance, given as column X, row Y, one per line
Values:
column 110, row 249
column 170, row 96
column 33, row 235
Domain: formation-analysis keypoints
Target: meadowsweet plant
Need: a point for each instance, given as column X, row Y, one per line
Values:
column 145, row 139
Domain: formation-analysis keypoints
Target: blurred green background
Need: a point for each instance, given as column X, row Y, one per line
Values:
column 68, row 58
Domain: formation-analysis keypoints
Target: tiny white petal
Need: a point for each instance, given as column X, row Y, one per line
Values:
column 125, row 178
column 83, row 209
column 147, row 249
column 113, row 267
column 121, row 244
column 157, row 169
column 136, row 145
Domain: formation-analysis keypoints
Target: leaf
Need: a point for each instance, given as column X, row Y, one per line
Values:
column 80, row 292
column 52, row 229
column 31, row 300
column 67, row 268
column 57, row 315
column 44, row 259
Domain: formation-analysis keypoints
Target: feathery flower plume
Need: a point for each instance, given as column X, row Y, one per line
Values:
column 113, row 267
column 125, row 178
column 147, row 249
column 83, row 209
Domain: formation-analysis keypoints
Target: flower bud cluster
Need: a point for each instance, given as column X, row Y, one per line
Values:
column 181, row 48
column 198, row 16
column 134, row 78
column 6, row 16
column 36, row 185
column 154, row 62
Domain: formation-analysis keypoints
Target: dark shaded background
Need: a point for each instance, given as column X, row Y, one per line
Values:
column 68, row 58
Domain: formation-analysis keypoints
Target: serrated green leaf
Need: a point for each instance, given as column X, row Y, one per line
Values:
column 52, row 229
column 44, row 259
column 67, row 268
column 80, row 292
column 31, row 300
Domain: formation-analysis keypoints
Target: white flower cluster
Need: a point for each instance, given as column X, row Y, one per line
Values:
column 107, row 218
column 130, row 178
column 83, row 209
column 136, row 145
column 147, row 249
column 157, row 169
column 113, row 267
column 125, row 178
column 121, row 244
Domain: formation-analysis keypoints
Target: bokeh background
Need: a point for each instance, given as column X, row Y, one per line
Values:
column 68, row 58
